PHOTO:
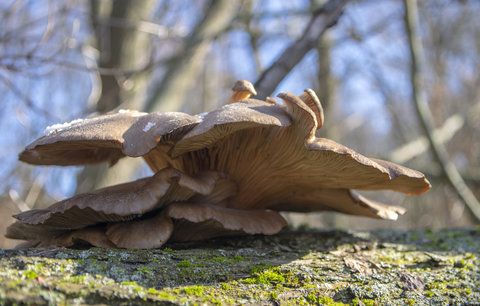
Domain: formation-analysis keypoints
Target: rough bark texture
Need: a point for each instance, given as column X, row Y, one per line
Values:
column 302, row 267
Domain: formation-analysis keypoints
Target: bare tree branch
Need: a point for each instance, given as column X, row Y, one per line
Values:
column 424, row 115
column 181, row 72
column 322, row 19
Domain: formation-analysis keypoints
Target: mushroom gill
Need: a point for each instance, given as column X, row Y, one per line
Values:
column 226, row 172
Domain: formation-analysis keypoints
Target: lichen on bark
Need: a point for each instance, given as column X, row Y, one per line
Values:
column 296, row 267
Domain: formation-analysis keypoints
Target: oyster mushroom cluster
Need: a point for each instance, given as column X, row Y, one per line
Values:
column 226, row 172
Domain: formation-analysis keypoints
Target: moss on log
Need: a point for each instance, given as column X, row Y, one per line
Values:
column 297, row 267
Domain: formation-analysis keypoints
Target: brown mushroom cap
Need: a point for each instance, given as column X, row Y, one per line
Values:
column 151, row 129
column 146, row 233
column 207, row 221
column 42, row 236
column 94, row 236
column 268, row 161
column 89, row 141
column 244, row 85
column 107, row 138
column 121, row 202
column 339, row 200
column 313, row 102
column 229, row 119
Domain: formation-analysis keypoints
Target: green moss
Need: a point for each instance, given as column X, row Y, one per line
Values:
column 194, row 290
column 184, row 264
column 77, row 279
column 30, row 274
column 323, row 300
column 225, row 259
column 429, row 293
column 274, row 295
column 369, row 302
column 410, row 302
column 168, row 250
column 312, row 298
column 162, row 295
column 226, row 286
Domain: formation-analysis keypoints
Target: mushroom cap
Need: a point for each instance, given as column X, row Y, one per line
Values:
column 122, row 202
column 228, row 119
column 339, row 200
column 146, row 233
column 107, row 138
column 310, row 98
column 198, row 221
column 42, row 236
column 271, row 161
column 244, row 85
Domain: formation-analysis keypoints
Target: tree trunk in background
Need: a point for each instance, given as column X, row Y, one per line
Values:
column 126, row 48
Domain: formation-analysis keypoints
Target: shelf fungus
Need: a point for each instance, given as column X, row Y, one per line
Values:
column 226, row 172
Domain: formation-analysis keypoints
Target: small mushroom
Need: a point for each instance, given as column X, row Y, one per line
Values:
column 227, row 172
column 242, row 90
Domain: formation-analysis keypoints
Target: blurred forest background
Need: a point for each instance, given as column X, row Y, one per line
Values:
column 396, row 83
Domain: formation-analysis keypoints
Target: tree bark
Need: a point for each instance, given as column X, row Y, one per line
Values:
column 293, row 268
column 123, row 48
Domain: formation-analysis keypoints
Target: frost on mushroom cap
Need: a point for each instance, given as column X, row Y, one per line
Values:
column 151, row 129
column 84, row 142
column 107, row 138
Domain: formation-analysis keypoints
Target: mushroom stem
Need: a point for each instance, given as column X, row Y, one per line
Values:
column 242, row 90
